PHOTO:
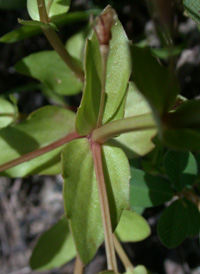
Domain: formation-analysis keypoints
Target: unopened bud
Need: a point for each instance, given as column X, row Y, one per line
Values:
column 103, row 25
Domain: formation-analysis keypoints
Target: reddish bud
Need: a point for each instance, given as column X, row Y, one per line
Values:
column 103, row 26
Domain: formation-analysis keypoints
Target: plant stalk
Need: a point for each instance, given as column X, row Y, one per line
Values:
column 122, row 255
column 112, row 129
column 56, row 42
column 33, row 154
column 78, row 267
column 104, row 49
column 105, row 212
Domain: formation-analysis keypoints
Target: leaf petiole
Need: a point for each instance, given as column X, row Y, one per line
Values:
column 112, row 129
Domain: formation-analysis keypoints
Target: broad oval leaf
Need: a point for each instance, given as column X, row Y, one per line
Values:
column 192, row 9
column 81, row 199
column 118, row 73
column 140, row 142
column 54, row 248
column 132, row 227
column 181, row 168
column 7, row 113
column 173, row 225
column 43, row 127
column 50, row 69
column 56, row 8
column 148, row 190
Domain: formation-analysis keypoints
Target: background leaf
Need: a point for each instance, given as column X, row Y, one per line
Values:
column 7, row 113
column 174, row 224
column 50, row 69
column 54, row 248
column 140, row 142
column 118, row 73
column 192, row 9
column 132, row 227
column 181, row 168
column 12, row 4
column 81, row 199
column 58, row 7
column 155, row 82
column 42, row 127
column 148, row 190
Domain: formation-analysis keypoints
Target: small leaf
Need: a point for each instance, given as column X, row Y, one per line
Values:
column 26, row 32
column 148, row 190
column 181, row 167
column 173, row 225
column 140, row 142
column 192, row 9
column 118, row 73
column 50, row 69
column 81, row 199
column 43, row 127
column 54, row 248
column 155, row 82
column 132, row 227
column 33, row 23
column 7, row 113
column 57, row 8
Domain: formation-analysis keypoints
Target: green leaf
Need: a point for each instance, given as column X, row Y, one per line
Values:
column 54, row 248
column 12, row 4
column 194, row 218
column 76, row 44
column 118, row 72
column 132, row 227
column 192, row 9
column 57, row 8
column 33, row 23
column 155, row 82
column 81, row 199
column 140, row 142
column 148, row 190
column 140, row 269
column 181, row 168
column 50, row 69
column 7, row 113
column 41, row 128
column 174, row 224
column 26, row 31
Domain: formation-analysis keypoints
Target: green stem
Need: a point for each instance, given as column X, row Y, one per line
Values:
column 42, row 11
column 104, row 49
column 112, row 129
column 122, row 255
column 49, row 6
column 33, row 154
column 78, row 267
column 105, row 212
column 57, row 44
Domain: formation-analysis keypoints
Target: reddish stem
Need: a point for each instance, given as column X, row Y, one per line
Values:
column 33, row 154
column 105, row 212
